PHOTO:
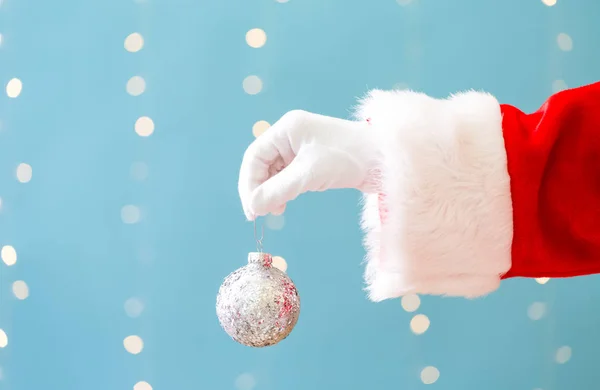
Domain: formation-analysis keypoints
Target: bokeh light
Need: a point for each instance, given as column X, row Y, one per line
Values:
column 430, row 375
column 411, row 302
column 559, row 85
column 24, row 173
column 133, row 344
column 565, row 42
column 419, row 324
column 9, row 255
column 136, row 86
column 134, row 42
column 536, row 311
column 256, row 38
column 275, row 222
column 143, row 385
column 20, row 289
column 252, row 85
column 245, row 382
column 144, row 126
column 3, row 338
column 260, row 127
column 139, row 171
column 401, row 86
column 130, row 214
column 134, row 307
column 14, row 88
column 280, row 263
column 563, row 354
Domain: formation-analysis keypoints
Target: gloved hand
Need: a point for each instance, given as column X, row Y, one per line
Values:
column 305, row 152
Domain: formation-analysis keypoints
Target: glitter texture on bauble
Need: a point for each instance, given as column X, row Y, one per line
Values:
column 258, row 305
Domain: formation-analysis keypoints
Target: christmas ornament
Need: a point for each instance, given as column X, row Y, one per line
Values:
column 258, row 304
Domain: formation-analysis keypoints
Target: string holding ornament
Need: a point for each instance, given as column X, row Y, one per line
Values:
column 259, row 241
column 258, row 305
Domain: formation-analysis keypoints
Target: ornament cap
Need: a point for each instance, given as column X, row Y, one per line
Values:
column 262, row 258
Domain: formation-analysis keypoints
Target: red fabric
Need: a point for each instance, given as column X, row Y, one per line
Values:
column 554, row 166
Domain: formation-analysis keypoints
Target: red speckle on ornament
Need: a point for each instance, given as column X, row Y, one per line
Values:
column 268, row 261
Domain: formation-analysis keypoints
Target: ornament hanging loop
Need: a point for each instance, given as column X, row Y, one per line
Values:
column 259, row 241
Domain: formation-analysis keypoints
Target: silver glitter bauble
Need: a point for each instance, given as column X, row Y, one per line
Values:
column 258, row 304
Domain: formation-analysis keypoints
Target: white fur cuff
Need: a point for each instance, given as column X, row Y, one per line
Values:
column 447, row 226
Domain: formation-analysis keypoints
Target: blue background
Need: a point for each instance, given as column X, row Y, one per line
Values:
column 73, row 123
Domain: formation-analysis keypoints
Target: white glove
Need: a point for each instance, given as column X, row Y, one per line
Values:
column 305, row 152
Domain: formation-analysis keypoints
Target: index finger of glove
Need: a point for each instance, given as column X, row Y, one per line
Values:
column 255, row 169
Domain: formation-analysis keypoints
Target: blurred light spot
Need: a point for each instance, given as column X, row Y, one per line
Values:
column 256, row 38
column 536, row 311
column 9, row 255
column 130, row 214
column 143, row 385
column 279, row 263
column 20, row 289
column 403, row 2
column 558, row 85
column 24, row 173
column 400, row 86
column 542, row 280
column 414, row 49
column 136, row 86
column 430, row 375
column 419, row 324
column 139, row 171
column 282, row 1
column 0, row 203
column 134, row 42
column 144, row 126
column 563, row 354
column 133, row 307
column 146, row 255
column 275, row 222
column 411, row 302
column 3, row 339
column 549, row 3
column 245, row 382
column 252, row 85
column 14, row 88
column 565, row 43
column 0, row 40
column 133, row 344
column 260, row 127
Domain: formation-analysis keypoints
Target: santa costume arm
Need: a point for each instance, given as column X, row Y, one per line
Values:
column 460, row 193
column 472, row 191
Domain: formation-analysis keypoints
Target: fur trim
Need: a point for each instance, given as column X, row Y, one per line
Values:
column 448, row 213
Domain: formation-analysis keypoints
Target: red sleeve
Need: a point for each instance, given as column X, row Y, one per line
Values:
column 554, row 166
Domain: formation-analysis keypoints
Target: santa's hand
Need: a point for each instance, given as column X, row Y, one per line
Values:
column 304, row 152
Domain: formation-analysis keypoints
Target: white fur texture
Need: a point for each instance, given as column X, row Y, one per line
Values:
column 449, row 226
